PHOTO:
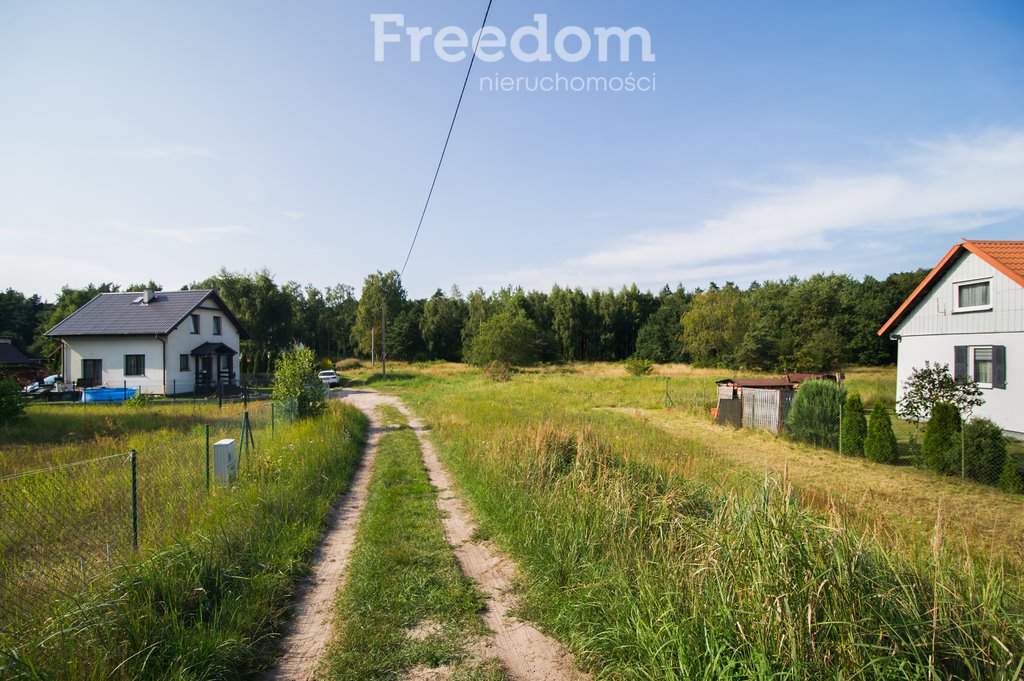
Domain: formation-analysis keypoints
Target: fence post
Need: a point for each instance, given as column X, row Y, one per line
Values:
column 963, row 453
column 207, row 457
column 135, row 502
column 841, row 427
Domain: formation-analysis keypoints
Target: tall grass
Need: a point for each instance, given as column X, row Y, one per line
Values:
column 208, row 603
column 650, row 574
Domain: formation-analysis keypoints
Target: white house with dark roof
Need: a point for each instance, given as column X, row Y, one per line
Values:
column 969, row 313
column 163, row 342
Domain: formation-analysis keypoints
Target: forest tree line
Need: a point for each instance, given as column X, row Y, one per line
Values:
column 821, row 323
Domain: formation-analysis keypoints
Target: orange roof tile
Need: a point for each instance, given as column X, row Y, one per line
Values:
column 1005, row 256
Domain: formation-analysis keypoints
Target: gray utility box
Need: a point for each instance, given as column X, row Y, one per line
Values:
column 225, row 460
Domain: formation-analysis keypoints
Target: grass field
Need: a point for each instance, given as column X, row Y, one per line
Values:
column 56, row 434
column 205, row 593
column 660, row 546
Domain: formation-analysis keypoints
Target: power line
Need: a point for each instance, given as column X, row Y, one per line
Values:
column 451, row 128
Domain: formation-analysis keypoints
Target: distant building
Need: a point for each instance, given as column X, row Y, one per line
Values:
column 16, row 363
column 160, row 341
column 969, row 313
column 761, row 403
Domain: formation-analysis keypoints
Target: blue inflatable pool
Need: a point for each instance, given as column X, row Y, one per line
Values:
column 108, row 394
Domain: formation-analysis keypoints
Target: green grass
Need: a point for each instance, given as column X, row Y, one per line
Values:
column 404, row 578
column 56, row 434
column 654, row 556
column 206, row 604
column 64, row 528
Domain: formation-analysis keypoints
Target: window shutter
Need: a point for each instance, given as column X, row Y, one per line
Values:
column 961, row 365
column 999, row 367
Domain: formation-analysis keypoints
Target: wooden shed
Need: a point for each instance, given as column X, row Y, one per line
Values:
column 761, row 403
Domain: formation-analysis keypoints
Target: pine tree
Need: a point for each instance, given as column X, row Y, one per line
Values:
column 854, row 426
column 941, row 437
column 1010, row 480
column 880, row 444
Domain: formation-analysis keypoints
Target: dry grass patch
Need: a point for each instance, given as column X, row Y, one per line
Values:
column 899, row 502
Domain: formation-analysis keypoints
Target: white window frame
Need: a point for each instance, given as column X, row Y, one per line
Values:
column 970, row 364
column 194, row 322
column 972, row 308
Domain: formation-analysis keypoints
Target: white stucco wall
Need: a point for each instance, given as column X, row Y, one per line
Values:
column 933, row 329
column 111, row 352
column 1005, row 407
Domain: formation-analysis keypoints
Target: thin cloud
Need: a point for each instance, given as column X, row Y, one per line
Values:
column 174, row 153
column 294, row 215
column 953, row 185
column 187, row 235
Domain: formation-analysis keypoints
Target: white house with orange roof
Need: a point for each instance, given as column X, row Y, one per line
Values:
column 969, row 313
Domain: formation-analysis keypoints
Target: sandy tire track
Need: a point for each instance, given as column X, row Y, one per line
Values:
column 524, row 651
column 311, row 629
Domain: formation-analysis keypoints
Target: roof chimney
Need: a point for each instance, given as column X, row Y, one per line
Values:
column 148, row 296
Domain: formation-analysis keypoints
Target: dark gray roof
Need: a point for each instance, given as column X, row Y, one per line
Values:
column 12, row 356
column 121, row 314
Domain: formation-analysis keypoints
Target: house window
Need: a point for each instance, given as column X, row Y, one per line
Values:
column 972, row 296
column 195, row 323
column 134, row 365
column 981, row 366
column 216, row 326
column 984, row 364
column 183, row 363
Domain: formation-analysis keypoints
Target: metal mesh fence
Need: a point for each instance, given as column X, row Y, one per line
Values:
column 64, row 528
column 974, row 451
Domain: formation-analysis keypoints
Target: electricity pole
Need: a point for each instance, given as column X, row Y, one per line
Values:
column 383, row 341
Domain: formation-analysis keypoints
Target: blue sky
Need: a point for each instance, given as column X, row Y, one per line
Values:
column 164, row 140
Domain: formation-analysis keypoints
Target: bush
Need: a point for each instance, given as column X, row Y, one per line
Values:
column 295, row 378
column 507, row 338
column 984, row 451
column 933, row 384
column 498, row 371
column 326, row 364
column 854, row 427
column 639, row 367
column 139, row 400
column 814, row 414
column 880, row 443
column 941, row 437
column 348, row 364
column 1010, row 480
column 12, row 404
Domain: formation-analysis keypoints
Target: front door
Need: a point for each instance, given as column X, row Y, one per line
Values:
column 205, row 370
column 92, row 372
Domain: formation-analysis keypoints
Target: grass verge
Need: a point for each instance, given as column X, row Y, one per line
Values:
column 207, row 605
column 647, row 572
column 405, row 603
